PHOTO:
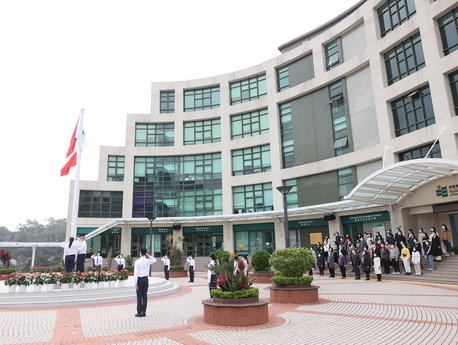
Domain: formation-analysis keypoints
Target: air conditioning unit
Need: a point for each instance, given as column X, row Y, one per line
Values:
column 328, row 217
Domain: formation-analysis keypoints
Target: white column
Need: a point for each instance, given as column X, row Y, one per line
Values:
column 34, row 248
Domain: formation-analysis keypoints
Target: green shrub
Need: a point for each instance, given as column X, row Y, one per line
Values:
column 292, row 262
column 129, row 260
column 280, row 280
column 129, row 267
column 260, row 261
column 7, row 271
column 222, row 255
column 252, row 292
column 180, row 267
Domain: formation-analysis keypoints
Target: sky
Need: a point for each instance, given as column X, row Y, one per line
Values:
column 58, row 57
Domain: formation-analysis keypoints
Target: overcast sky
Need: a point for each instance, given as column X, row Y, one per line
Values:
column 60, row 56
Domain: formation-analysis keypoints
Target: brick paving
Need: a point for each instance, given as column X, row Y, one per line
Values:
column 385, row 312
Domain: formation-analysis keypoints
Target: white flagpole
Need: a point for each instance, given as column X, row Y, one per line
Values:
column 444, row 128
column 76, row 190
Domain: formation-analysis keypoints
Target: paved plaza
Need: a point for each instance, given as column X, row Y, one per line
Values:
column 349, row 312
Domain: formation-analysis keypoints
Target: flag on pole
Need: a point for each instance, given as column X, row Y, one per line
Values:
column 78, row 137
column 70, row 164
column 72, row 141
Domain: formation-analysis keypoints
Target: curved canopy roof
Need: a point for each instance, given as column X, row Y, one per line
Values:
column 391, row 185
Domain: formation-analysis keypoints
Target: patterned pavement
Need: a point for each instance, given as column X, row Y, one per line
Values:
column 384, row 312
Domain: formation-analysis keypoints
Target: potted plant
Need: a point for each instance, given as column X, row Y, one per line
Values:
column 11, row 282
column 177, row 257
column 87, row 279
column 122, row 277
column 112, row 276
column 235, row 302
column 50, row 280
column 23, row 280
column 260, row 261
column 38, row 281
column 100, row 278
column 291, row 286
column 64, row 280
column 77, row 280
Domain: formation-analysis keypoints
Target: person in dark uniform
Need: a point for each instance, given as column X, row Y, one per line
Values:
column 166, row 262
column 355, row 263
column 331, row 261
column 320, row 263
column 141, row 271
column 366, row 264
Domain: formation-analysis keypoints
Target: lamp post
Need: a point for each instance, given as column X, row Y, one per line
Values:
column 285, row 190
column 150, row 218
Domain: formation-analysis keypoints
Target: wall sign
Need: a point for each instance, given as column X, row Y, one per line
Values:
column 307, row 222
column 210, row 228
column 367, row 217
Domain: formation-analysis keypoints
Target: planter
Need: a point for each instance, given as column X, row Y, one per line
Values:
column 262, row 277
column 296, row 294
column 12, row 289
column 94, row 286
column 178, row 274
column 236, row 312
column 111, row 284
column 64, row 287
column 88, row 286
column 100, row 285
column 122, row 283
column 76, row 287
column 37, row 288
column 49, row 287
column 22, row 288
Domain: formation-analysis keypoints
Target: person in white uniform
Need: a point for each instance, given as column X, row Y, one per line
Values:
column 166, row 262
column 98, row 260
column 141, row 271
column 81, row 254
column 192, row 267
column 121, row 262
column 70, row 253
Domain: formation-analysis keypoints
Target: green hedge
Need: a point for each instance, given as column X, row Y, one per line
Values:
column 292, row 262
column 129, row 267
column 280, row 280
column 260, row 261
column 253, row 292
column 7, row 271
column 181, row 267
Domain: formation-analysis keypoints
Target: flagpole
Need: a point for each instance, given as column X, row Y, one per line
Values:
column 76, row 190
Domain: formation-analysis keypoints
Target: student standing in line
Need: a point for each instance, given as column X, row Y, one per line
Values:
column 81, row 254
column 343, row 264
column 331, row 261
column 210, row 275
column 436, row 244
column 320, row 263
column 98, row 260
column 366, row 264
column 394, row 257
column 429, row 256
column 416, row 261
column 405, row 255
column 446, row 238
column 121, row 262
column 192, row 267
column 377, row 267
column 141, row 271
column 166, row 262
column 355, row 263
column 385, row 258
column 314, row 260
column 70, row 253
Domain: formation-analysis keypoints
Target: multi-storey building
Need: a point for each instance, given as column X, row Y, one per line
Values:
column 345, row 115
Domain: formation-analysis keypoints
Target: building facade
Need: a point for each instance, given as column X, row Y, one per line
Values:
column 374, row 87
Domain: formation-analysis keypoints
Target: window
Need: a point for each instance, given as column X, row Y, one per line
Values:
column 115, row 168
column 253, row 198
column 202, row 99
column 100, row 204
column 287, row 143
column 283, row 78
column 345, row 180
column 248, row 89
column 413, row 111
column 202, row 132
column 167, row 102
column 178, row 186
column 453, row 78
column 421, row 152
column 394, row 13
column 448, row 29
column 250, row 124
column 154, row 134
column 339, row 119
column 291, row 198
column 251, row 160
column 404, row 59
column 332, row 54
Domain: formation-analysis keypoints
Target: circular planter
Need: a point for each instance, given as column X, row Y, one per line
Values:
column 122, row 283
column 111, row 284
column 240, row 312
column 22, row 288
column 178, row 274
column 49, row 287
column 12, row 289
column 262, row 277
column 296, row 294
column 37, row 288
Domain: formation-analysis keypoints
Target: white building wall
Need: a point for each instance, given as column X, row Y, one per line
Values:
column 354, row 42
column 364, row 170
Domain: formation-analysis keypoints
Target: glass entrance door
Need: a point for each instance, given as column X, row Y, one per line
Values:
column 203, row 244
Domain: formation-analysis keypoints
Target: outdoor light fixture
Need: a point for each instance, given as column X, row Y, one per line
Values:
column 150, row 218
column 285, row 190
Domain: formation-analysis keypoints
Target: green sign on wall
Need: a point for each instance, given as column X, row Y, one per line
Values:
column 367, row 217
column 85, row 231
column 161, row 230
column 210, row 228
column 256, row 226
column 307, row 222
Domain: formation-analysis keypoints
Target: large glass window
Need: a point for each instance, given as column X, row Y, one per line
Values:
column 283, row 78
column 167, row 102
column 346, row 185
column 251, row 160
column 291, row 198
column 100, row 204
column 453, row 78
column 421, row 152
column 448, row 26
column 287, row 142
column 253, row 198
column 250, row 124
column 405, row 59
column 394, row 13
column 115, row 168
column 248, row 89
column 178, row 186
column 253, row 241
column 332, row 54
column 339, row 120
column 202, row 132
column 202, row 244
column 202, row 99
column 413, row 111
column 154, row 134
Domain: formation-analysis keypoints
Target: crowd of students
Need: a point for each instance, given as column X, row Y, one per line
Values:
column 382, row 254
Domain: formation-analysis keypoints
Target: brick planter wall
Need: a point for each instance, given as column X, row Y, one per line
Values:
column 295, row 294
column 178, row 273
column 262, row 277
column 236, row 312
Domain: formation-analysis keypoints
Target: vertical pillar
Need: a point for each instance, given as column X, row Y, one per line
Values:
column 34, row 248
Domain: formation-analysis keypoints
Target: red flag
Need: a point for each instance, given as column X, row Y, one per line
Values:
column 70, row 164
column 72, row 142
